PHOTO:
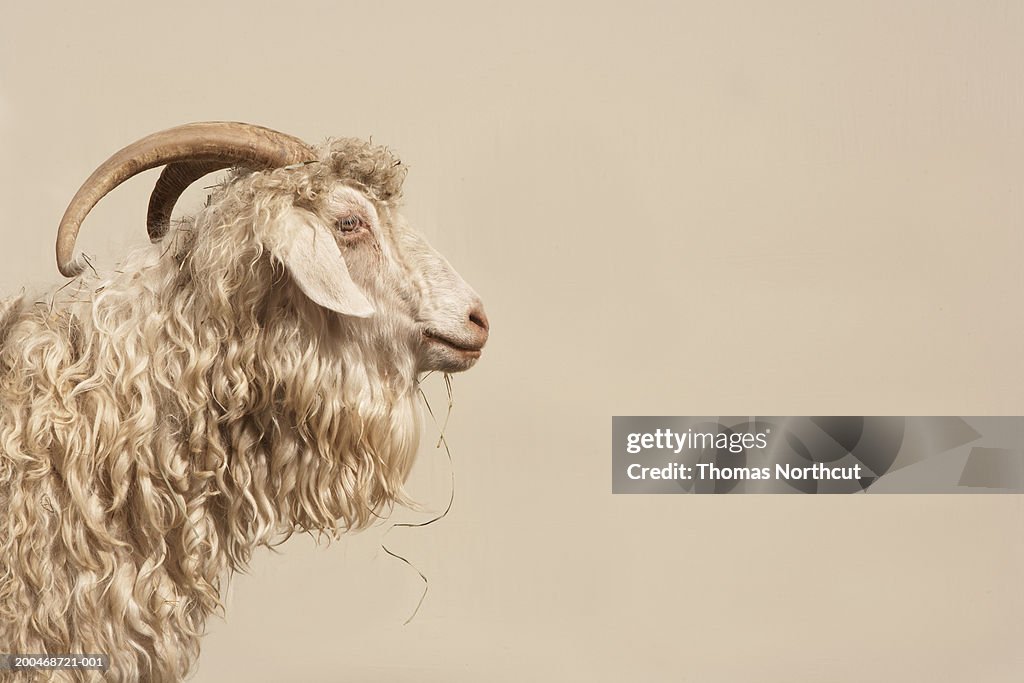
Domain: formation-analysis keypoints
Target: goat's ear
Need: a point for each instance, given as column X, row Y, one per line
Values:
column 310, row 253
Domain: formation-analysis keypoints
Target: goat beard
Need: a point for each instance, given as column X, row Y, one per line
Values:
column 141, row 464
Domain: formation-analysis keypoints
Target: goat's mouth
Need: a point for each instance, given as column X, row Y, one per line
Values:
column 445, row 354
column 467, row 349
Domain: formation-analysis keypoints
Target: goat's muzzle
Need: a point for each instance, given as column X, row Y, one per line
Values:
column 456, row 350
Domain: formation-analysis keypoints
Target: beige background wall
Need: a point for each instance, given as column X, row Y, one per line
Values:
column 669, row 208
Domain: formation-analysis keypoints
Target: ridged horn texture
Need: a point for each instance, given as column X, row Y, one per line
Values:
column 190, row 152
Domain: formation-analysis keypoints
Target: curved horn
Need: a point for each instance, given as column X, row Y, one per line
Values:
column 191, row 150
column 173, row 181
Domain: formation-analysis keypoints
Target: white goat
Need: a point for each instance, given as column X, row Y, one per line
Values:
column 253, row 375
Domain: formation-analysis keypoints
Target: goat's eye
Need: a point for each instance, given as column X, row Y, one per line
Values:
column 351, row 223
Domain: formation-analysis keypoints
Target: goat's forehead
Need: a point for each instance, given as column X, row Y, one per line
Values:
column 342, row 197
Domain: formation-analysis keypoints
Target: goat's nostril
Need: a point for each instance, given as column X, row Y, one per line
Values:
column 479, row 318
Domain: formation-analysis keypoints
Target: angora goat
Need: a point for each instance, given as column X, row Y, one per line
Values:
column 253, row 374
